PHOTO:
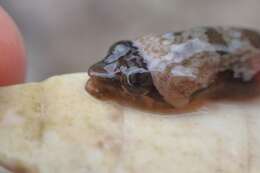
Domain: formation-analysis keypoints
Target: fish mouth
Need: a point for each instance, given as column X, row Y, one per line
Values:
column 102, row 88
column 102, row 83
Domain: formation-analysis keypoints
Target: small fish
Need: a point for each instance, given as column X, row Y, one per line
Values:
column 178, row 64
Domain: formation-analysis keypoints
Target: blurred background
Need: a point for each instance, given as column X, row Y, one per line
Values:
column 65, row 36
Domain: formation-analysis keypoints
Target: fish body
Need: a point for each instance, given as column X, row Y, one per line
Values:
column 179, row 64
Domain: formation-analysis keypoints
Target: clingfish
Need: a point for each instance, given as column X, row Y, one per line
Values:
column 177, row 65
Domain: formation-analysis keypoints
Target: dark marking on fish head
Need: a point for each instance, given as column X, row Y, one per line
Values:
column 252, row 36
column 215, row 37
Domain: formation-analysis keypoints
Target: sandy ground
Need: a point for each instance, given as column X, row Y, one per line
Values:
column 64, row 36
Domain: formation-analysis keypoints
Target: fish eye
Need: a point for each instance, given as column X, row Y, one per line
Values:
column 137, row 82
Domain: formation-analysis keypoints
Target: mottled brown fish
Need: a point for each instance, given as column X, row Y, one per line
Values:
column 177, row 64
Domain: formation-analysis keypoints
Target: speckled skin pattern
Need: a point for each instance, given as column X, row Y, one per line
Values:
column 182, row 63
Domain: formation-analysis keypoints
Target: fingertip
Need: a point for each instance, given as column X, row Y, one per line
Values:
column 12, row 52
